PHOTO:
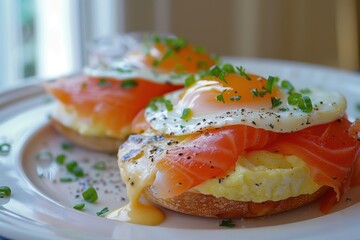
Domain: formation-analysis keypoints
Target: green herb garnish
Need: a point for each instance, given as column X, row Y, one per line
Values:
column 242, row 72
column 175, row 43
column 186, row 114
column 5, row 148
column 220, row 97
column 190, row 80
column 99, row 166
column 228, row 68
column 256, row 93
column 156, row 63
column 103, row 211
column 90, row 194
column 217, row 72
column 67, row 146
column 66, row 179
column 79, row 206
column 235, row 98
column 227, row 223
column 60, row 159
column 199, row 50
column 75, row 169
column 275, row 102
column 305, row 104
column 129, row 83
column 293, row 98
column 285, row 84
column 5, row 191
column 166, row 102
column 270, row 84
column 358, row 107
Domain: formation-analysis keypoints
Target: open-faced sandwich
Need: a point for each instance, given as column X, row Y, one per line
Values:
column 235, row 144
column 95, row 110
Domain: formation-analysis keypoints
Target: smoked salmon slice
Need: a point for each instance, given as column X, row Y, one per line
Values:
column 328, row 149
column 204, row 156
column 107, row 102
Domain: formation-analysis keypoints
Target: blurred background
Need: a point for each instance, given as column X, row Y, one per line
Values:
column 47, row 38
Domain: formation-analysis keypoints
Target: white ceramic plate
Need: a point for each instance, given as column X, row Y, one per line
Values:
column 40, row 206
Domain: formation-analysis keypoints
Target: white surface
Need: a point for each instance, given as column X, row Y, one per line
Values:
column 40, row 208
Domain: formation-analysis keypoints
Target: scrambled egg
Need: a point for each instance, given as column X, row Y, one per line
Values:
column 261, row 176
column 85, row 126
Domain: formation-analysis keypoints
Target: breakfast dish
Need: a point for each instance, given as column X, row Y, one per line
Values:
column 235, row 144
column 95, row 110
column 41, row 207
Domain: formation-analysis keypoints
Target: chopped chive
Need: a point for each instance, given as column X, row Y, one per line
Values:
column 190, row 80
column 166, row 102
column 186, row 114
column 79, row 206
column 305, row 90
column 199, row 50
column 99, row 166
column 305, row 104
column 75, row 169
column 168, row 53
column 168, row 105
column 78, row 171
column 227, row 223
column 294, row 98
column 156, row 63
column 60, row 159
column 156, row 38
column 103, row 211
column 67, row 146
column 90, row 194
column 220, row 97
column 242, row 72
column 217, row 72
column 235, row 98
column 256, row 93
column 71, row 165
column 285, row 84
column 275, row 102
column 129, row 83
column 271, row 81
column 175, row 43
column 5, row 191
column 5, row 148
column 228, row 68
column 66, row 179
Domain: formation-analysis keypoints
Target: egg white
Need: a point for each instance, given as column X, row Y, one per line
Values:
column 327, row 107
column 128, row 68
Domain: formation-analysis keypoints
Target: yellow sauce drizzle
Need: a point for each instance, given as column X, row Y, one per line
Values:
column 136, row 211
